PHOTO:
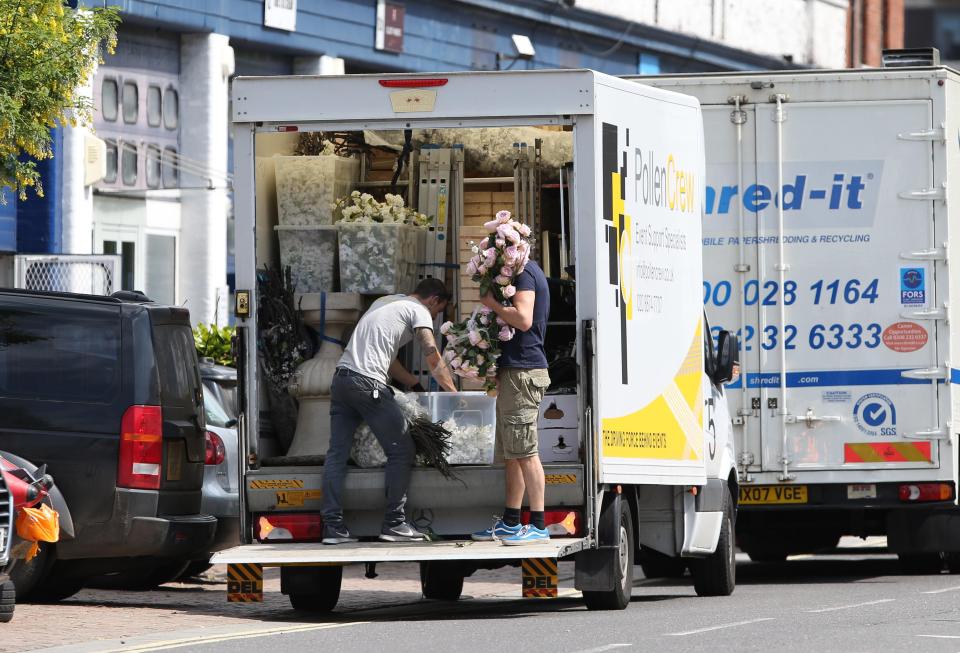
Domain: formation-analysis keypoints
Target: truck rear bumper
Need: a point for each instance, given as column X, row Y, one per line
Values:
column 306, row 553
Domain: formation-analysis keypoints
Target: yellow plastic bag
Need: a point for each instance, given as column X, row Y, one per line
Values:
column 38, row 525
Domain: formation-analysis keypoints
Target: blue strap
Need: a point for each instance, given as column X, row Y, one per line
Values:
column 323, row 322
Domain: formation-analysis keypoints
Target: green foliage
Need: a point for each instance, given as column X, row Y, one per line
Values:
column 47, row 52
column 215, row 342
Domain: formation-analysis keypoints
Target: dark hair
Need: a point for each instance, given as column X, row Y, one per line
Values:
column 431, row 287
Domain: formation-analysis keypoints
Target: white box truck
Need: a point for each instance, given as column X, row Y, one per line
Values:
column 656, row 470
column 828, row 223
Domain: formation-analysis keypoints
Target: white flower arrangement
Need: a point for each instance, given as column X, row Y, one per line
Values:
column 363, row 208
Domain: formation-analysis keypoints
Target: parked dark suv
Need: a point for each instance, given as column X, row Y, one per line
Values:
column 105, row 391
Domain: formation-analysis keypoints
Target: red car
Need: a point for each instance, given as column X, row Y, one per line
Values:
column 19, row 488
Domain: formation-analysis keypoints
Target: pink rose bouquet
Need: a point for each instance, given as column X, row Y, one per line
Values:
column 473, row 345
column 500, row 257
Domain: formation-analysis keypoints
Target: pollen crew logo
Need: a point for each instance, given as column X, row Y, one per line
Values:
column 617, row 229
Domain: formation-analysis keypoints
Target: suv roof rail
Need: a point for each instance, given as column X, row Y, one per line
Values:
column 61, row 295
column 131, row 296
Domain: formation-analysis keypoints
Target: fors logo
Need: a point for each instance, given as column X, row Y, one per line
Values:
column 875, row 414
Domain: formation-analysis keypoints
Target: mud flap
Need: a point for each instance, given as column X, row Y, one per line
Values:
column 924, row 531
column 244, row 583
column 595, row 569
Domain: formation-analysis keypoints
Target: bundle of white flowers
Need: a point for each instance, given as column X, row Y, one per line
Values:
column 363, row 208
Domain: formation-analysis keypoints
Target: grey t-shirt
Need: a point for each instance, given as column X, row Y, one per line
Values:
column 386, row 327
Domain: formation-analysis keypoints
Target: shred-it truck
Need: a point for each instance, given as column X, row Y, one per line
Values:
column 655, row 465
column 829, row 247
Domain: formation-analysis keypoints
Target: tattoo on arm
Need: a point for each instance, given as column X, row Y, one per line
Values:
column 427, row 343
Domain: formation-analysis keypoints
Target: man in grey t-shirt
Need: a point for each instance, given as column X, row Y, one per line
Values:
column 359, row 393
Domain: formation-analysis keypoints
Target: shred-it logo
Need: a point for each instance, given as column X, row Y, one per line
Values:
column 617, row 230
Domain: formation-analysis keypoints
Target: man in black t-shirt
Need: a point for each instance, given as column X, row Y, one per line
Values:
column 522, row 379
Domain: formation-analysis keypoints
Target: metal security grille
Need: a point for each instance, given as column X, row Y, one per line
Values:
column 93, row 274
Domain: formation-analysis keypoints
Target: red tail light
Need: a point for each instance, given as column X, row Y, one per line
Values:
column 141, row 448
column 919, row 492
column 290, row 527
column 413, row 83
column 216, row 452
column 560, row 523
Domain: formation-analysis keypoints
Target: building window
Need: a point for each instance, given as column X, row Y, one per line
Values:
column 161, row 282
column 131, row 102
column 153, row 166
column 153, row 106
column 171, row 108
column 128, row 164
column 171, row 170
column 108, row 100
column 111, row 176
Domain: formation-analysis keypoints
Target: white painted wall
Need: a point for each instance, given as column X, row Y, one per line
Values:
column 206, row 63
column 811, row 31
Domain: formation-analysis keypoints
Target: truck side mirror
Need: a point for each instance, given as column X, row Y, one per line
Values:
column 727, row 357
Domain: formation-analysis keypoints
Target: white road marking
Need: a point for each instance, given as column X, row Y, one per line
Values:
column 941, row 636
column 600, row 649
column 212, row 639
column 720, row 627
column 848, row 607
column 945, row 589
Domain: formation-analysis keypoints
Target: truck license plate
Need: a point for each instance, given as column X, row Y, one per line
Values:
column 862, row 491
column 766, row 494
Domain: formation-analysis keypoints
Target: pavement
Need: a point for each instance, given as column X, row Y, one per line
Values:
column 851, row 600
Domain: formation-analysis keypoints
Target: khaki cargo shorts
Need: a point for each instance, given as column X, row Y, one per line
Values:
column 518, row 406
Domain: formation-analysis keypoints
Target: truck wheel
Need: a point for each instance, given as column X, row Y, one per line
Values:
column 8, row 601
column 920, row 564
column 657, row 565
column 441, row 581
column 716, row 575
column 953, row 562
column 312, row 589
column 619, row 597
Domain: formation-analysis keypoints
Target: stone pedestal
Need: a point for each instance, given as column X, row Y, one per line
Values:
column 311, row 382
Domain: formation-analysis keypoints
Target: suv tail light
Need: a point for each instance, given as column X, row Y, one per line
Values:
column 141, row 448
column 216, row 452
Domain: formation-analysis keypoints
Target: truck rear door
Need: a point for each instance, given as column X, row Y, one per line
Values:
column 845, row 286
column 730, row 285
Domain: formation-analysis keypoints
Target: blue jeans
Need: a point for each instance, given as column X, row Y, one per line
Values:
column 352, row 402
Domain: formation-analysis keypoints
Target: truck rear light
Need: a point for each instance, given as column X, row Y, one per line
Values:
column 290, row 527
column 919, row 492
column 141, row 448
column 560, row 523
column 216, row 451
column 414, row 83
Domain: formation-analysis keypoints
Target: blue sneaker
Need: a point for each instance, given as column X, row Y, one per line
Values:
column 497, row 531
column 529, row 534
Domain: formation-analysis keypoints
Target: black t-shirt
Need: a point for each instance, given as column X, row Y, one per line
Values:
column 525, row 350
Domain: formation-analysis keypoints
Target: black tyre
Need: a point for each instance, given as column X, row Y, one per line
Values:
column 26, row 575
column 149, row 576
column 657, row 565
column 619, row 597
column 195, row 568
column 716, row 575
column 953, row 562
column 441, row 580
column 8, row 601
column 315, row 589
column 920, row 564
column 54, row 589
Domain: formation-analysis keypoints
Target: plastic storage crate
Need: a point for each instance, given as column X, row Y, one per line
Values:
column 308, row 186
column 311, row 254
column 471, row 418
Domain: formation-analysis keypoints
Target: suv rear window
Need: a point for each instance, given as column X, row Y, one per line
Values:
column 177, row 360
column 58, row 353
